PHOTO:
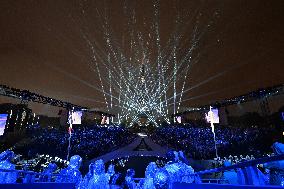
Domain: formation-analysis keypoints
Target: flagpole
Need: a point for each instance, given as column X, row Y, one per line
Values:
column 213, row 129
column 70, row 132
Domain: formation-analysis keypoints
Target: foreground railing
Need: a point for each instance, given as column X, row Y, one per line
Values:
column 38, row 185
column 220, row 186
column 214, row 181
column 243, row 164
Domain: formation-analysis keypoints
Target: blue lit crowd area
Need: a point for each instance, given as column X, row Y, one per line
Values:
column 197, row 143
column 88, row 143
column 132, row 94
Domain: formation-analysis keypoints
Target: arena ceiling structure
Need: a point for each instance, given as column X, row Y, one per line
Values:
column 141, row 58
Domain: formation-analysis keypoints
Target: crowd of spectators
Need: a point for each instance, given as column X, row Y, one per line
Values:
column 88, row 142
column 198, row 141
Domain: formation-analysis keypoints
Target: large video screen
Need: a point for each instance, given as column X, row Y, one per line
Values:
column 178, row 119
column 105, row 120
column 215, row 116
column 3, row 121
column 76, row 117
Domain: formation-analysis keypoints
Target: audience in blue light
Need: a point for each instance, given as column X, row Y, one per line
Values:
column 88, row 143
column 197, row 141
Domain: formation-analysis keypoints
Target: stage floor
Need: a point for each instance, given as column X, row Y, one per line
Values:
column 135, row 149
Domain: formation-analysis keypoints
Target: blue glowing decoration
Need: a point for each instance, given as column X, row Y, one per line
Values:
column 84, row 184
column 178, row 169
column 129, row 181
column 173, row 170
column 151, row 170
column 71, row 174
column 5, row 163
column 28, row 177
column 110, row 170
column 47, row 173
column 162, row 179
column 148, row 182
column 100, row 179
column 186, row 172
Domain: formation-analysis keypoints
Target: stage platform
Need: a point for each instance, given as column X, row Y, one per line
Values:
column 133, row 150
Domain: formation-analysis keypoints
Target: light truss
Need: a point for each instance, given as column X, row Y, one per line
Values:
column 25, row 95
